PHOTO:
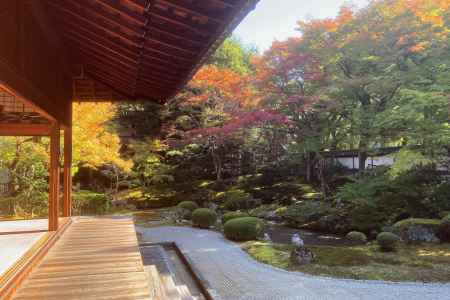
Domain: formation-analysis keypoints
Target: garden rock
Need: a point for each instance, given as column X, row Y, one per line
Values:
column 418, row 230
column 300, row 254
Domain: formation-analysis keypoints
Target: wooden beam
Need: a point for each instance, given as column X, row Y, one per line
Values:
column 53, row 195
column 171, row 48
column 194, row 10
column 109, row 16
column 32, row 65
column 123, row 10
column 67, row 207
column 84, row 16
column 173, row 19
column 25, row 130
column 185, row 35
column 94, row 33
column 225, row 2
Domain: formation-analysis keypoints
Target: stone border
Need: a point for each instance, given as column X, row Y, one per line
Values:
column 202, row 284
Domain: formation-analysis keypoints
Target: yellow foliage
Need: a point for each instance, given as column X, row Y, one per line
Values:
column 94, row 144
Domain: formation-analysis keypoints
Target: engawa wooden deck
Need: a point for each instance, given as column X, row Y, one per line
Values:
column 96, row 258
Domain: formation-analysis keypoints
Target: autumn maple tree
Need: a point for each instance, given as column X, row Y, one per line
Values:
column 95, row 143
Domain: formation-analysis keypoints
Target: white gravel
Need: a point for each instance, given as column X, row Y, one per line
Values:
column 232, row 274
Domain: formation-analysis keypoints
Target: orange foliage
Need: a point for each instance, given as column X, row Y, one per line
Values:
column 230, row 85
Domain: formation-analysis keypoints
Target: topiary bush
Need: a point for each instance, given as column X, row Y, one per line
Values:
column 244, row 229
column 204, row 217
column 356, row 236
column 185, row 209
column 444, row 229
column 387, row 241
column 233, row 215
column 189, row 205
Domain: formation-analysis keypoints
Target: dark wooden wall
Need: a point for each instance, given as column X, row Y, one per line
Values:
column 32, row 60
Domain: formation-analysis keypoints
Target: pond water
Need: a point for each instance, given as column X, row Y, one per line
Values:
column 277, row 233
column 282, row 234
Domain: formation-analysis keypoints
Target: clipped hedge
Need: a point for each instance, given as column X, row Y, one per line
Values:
column 185, row 209
column 204, row 217
column 233, row 215
column 356, row 236
column 387, row 241
column 189, row 205
column 244, row 229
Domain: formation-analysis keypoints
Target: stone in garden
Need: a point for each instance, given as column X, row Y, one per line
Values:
column 300, row 254
column 418, row 230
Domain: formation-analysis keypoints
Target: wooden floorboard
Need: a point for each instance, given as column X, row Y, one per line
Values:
column 96, row 258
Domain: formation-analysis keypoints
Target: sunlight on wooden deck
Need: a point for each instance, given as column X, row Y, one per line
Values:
column 96, row 258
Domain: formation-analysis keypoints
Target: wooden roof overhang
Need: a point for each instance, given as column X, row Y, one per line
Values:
column 53, row 52
column 141, row 49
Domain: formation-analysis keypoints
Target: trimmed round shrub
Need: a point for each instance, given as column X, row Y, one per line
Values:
column 233, row 215
column 189, row 205
column 387, row 241
column 185, row 209
column 356, row 236
column 244, row 229
column 444, row 229
column 204, row 217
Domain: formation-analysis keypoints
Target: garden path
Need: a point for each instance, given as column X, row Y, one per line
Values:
column 231, row 274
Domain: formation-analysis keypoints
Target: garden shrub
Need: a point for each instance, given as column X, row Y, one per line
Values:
column 87, row 202
column 365, row 190
column 444, row 229
column 204, row 217
column 306, row 212
column 366, row 218
column 356, row 236
column 418, row 230
column 25, row 205
column 233, row 215
column 441, row 197
column 235, row 199
column 387, row 241
column 188, row 205
column 244, row 229
column 185, row 209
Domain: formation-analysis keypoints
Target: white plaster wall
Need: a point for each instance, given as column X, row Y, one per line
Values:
column 377, row 161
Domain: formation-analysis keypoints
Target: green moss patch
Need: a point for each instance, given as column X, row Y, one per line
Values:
column 275, row 255
column 425, row 263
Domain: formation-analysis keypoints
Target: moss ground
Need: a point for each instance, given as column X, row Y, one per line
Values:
column 425, row 263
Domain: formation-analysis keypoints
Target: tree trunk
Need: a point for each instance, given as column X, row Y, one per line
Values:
column 308, row 166
column 321, row 175
column 362, row 154
column 217, row 165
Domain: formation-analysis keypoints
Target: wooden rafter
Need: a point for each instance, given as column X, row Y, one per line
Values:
column 21, row 129
column 142, row 48
column 194, row 9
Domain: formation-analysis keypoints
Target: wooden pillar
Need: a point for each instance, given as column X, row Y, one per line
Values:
column 67, row 210
column 53, row 195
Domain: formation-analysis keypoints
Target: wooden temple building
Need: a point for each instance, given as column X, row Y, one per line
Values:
column 55, row 52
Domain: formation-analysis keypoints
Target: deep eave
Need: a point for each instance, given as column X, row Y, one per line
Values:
column 140, row 49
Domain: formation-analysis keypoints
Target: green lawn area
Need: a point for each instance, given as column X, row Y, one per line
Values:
column 425, row 263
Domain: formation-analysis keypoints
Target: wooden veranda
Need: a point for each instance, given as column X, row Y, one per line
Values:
column 55, row 52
